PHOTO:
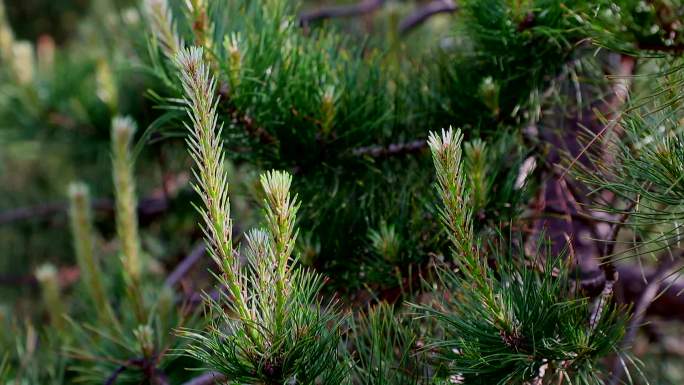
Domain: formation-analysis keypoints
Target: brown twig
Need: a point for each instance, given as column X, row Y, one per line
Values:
column 415, row 146
column 668, row 305
column 186, row 264
column 206, row 379
column 645, row 300
column 361, row 8
column 147, row 207
column 423, row 13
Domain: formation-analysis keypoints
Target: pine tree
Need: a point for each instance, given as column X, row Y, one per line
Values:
column 487, row 197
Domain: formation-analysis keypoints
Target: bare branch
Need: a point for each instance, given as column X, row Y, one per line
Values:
column 147, row 207
column 361, row 8
column 423, row 13
column 640, row 310
column 391, row 150
column 186, row 264
column 207, row 379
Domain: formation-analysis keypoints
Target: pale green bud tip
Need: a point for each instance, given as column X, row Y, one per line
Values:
column 123, row 128
column 190, row 60
column 329, row 94
column 78, row 191
column 195, row 4
column 476, row 149
column 386, row 241
column 258, row 242
column 257, row 237
column 233, row 44
column 446, row 141
column 24, row 60
column 276, row 185
column 157, row 8
column 145, row 336
column 46, row 273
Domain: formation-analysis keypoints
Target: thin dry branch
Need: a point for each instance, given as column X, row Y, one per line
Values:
column 425, row 12
column 186, row 264
column 391, row 150
column 147, row 207
column 647, row 297
column 207, row 379
column 361, row 8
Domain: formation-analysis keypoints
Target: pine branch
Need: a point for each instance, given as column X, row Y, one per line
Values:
column 122, row 132
column 645, row 300
column 148, row 208
column 84, row 245
column 126, row 201
column 206, row 149
column 632, row 284
column 38, row 211
column 425, row 12
column 46, row 275
column 207, row 379
column 397, row 149
column 361, row 8
column 186, row 265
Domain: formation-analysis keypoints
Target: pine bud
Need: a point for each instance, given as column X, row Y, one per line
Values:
column 23, row 62
column 328, row 109
column 457, row 211
column 161, row 23
column 476, row 168
column 6, row 43
column 202, row 26
column 6, row 36
column 235, row 54
column 276, row 185
column 145, row 336
column 123, row 129
column 386, row 242
column 281, row 214
column 489, row 93
column 205, row 147
column 47, row 278
column 84, row 244
column 106, row 86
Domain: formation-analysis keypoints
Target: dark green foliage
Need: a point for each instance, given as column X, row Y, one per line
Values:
column 327, row 110
column 387, row 349
column 539, row 327
column 500, row 58
column 642, row 28
column 381, row 285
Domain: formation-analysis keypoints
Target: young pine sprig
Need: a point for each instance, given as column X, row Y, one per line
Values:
column 124, row 335
column 122, row 133
column 163, row 28
column 275, row 330
column 511, row 323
